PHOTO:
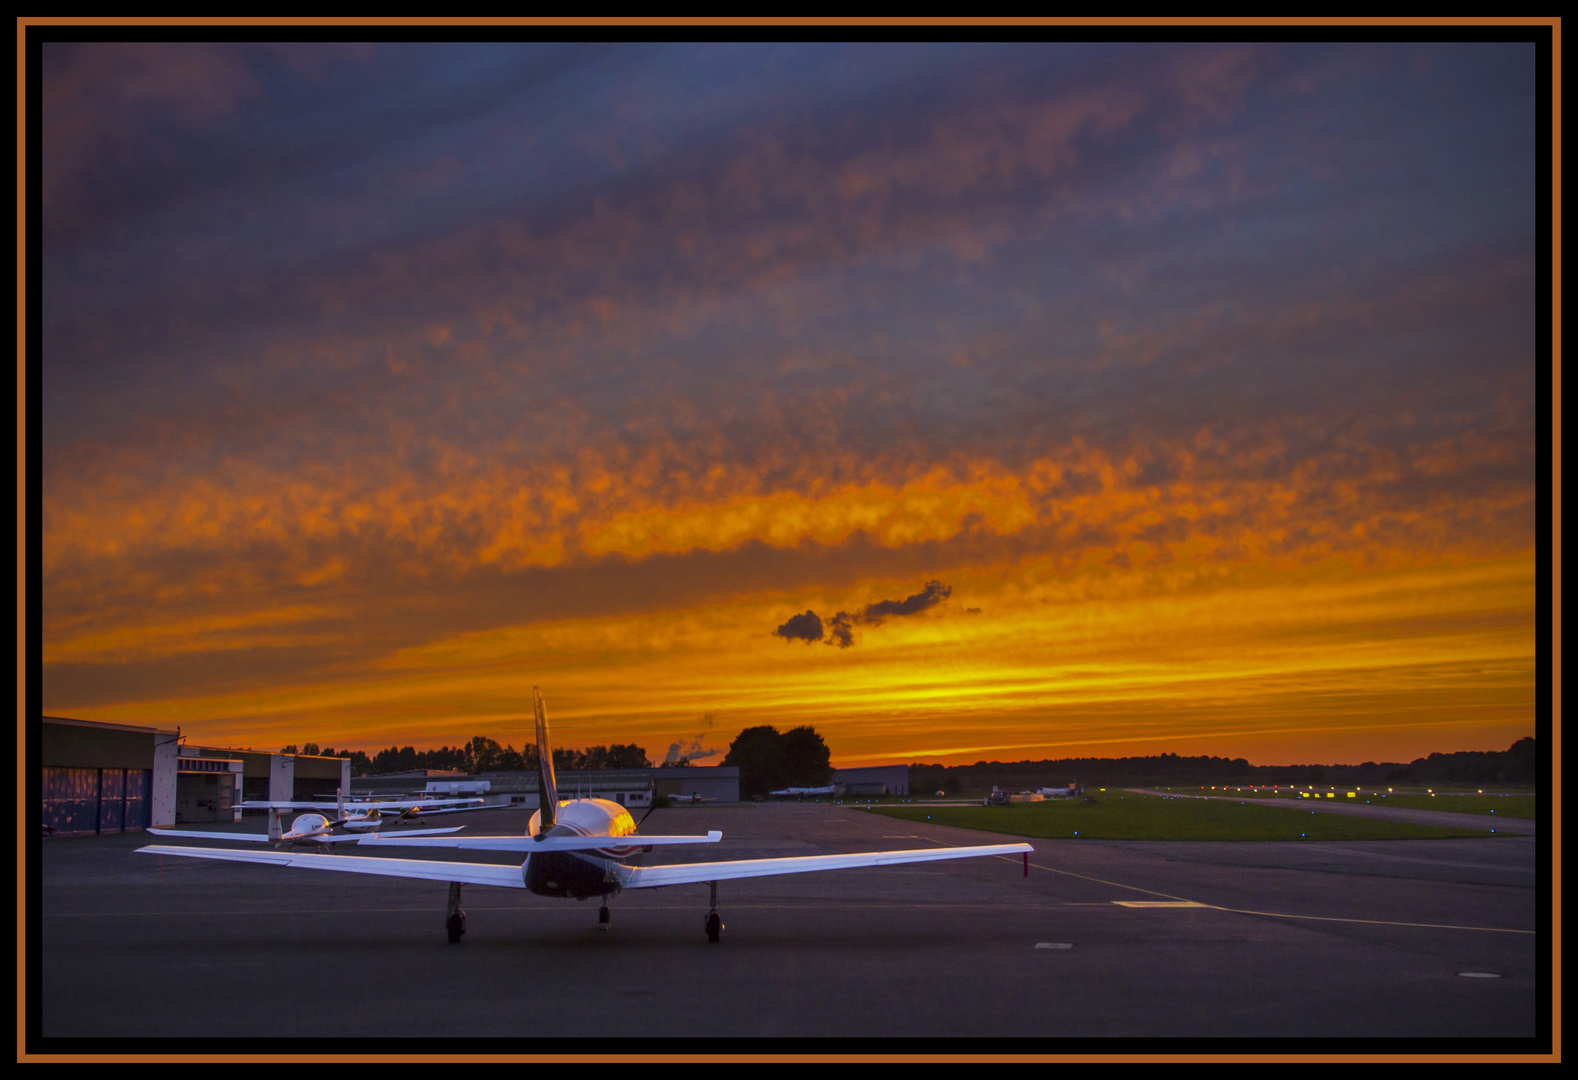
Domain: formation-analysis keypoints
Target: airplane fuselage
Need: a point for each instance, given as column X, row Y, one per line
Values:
column 580, row 873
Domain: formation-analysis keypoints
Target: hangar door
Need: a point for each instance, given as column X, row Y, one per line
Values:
column 86, row 801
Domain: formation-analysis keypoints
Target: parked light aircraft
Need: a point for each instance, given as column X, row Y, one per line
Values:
column 414, row 809
column 575, row 848
column 318, row 828
column 804, row 792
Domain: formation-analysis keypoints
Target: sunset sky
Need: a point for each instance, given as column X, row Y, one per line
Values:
column 963, row 401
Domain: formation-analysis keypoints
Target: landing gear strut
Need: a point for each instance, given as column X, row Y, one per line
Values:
column 455, row 920
column 714, row 920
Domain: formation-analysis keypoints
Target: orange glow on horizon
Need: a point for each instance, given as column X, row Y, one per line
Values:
column 1189, row 660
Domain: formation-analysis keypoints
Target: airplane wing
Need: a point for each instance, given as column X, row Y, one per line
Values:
column 551, row 843
column 507, row 876
column 249, row 837
column 330, row 804
column 651, row 877
column 263, row 838
column 421, row 810
column 631, row 877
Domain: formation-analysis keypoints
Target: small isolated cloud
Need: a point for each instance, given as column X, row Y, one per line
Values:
column 807, row 628
column 840, row 629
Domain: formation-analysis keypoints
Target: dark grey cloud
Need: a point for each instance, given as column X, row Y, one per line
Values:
column 840, row 629
column 807, row 628
column 933, row 594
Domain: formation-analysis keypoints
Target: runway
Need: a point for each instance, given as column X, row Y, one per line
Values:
column 1101, row 943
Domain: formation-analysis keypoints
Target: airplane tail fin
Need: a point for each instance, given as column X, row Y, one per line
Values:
column 547, row 788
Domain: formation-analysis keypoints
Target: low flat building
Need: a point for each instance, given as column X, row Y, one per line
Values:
column 874, row 780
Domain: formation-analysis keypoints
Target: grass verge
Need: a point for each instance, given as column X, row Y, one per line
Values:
column 1128, row 816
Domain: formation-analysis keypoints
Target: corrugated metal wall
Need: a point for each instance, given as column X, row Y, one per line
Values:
column 87, row 801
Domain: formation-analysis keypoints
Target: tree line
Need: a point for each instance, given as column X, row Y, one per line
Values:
column 767, row 759
column 1519, row 764
column 481, row 754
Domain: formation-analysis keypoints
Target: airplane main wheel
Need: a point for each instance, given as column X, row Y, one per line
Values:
column 456, row 926
column 602, row 917
column 714, row 927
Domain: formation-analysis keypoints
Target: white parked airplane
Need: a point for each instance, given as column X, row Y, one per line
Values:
column 804, row 792
column 694, row 797
column 575, row 849
column 318, row 828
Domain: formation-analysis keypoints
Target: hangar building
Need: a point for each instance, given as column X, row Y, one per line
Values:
column 876, row 780
column 101, row 778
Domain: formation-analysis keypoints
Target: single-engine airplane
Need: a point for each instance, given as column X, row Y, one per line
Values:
column 318, row 828
column 694, row 797
column 575, row 848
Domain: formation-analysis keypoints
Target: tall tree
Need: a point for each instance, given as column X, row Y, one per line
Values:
column 768, row 760
column 759, row 754
column 807, row 760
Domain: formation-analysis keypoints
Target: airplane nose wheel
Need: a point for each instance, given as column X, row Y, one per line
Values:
column 714, row 920
column 602, row 916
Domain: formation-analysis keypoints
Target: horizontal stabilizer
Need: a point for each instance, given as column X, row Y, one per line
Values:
column 648, row 877
column 550, row 843
column 509, row 877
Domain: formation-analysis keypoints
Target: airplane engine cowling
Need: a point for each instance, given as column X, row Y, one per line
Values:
column 308, row 823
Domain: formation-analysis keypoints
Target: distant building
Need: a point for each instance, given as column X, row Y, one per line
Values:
column 634, row 788
column 874, row 780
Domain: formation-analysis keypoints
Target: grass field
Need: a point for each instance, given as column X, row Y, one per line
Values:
column 1515, row 805
column 1130, row 816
